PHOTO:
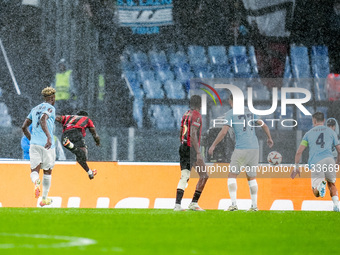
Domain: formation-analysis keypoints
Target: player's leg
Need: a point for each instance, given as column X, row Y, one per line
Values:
column 35, row 163
column 318, row 179
column 47, row 165
column 184, row 154
column 251, row 170
column 74, row 142
column 334, row 195
column 330, row 176
column 234, row 171
column 201, row 170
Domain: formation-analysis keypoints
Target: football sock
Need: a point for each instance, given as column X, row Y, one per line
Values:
column 46, row 185
column 34, row 176
column 335, row 200
column 196, row 196
column 253, row 192
column 232, row 187
column 179, row 196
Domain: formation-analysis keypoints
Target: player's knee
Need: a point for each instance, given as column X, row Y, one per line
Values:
column 185, row 175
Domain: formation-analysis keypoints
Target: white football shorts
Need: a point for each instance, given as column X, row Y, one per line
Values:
column 324, row 169
column 40, row 155
column 245, row 160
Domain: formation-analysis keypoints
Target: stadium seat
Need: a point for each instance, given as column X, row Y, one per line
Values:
column 163, row 75
column 240, row 61
column 145, row 75
column 304, row 121
column 253, row 61
column 322, row 109
column 174, row 89
column 217, row 55
column 138, row 111
column 178, row 58
column 133, row 202
column 300, row 62
column 260, row 93
column 221, row 71
column 140, row 59
column 184, row 77
column 320, row 93
column 161, row 117
column 320, row 61
column 178, row 111
column 153, row 89
column 202, row 72
column 197, row 55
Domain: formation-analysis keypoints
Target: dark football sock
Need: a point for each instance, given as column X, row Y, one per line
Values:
column 179, row 196
column 196, row 196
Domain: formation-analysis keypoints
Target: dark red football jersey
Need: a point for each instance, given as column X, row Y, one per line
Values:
column 75, row 121
column 191, row 117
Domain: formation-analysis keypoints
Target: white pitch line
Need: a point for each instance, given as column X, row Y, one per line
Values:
column 72, row 241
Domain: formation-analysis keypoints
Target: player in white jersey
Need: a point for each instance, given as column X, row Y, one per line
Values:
column 42, row 149
column 320, row 140
column 246, row 153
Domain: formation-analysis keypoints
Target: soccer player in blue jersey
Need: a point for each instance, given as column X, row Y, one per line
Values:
column 42, row 149
column 320, row 140
column 246, row 153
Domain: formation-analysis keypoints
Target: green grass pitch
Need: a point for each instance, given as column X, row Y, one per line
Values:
column 152, row 231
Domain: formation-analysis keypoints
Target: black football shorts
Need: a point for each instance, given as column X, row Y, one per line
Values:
column 188, row 157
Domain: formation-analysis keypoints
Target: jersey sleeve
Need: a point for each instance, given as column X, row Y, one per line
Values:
column 49, row 110
column 90, row 124
column 196, row 119
column 304, row 141
column 228, row 118
column 29, row 116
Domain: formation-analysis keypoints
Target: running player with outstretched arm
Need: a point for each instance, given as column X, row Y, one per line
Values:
column 320, row 140
column 74, row 132
column 246, row 153
column 190, row 154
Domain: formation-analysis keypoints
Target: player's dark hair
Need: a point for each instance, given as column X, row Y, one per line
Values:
column 195, row 102
column 319, row 116
column 331, row 122
column 82, row 113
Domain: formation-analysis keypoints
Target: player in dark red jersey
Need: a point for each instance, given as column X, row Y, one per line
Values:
column 190, row 155
column 73, row 137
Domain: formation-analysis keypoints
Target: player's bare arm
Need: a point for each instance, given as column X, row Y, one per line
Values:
column 95, row 135
column 265, row 128
column 59, row 118
column 24, row 128
column 218, row 139
column 194, row 142
column 296, row 170
column 43, row 123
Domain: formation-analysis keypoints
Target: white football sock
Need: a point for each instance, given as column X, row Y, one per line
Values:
column 232, row 187
column 89, row 172
column 34, row 176
column 46, row 185
column 335, row 200
column 253, row 192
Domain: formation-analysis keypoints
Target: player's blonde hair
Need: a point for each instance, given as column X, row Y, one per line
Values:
column 48, row 91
